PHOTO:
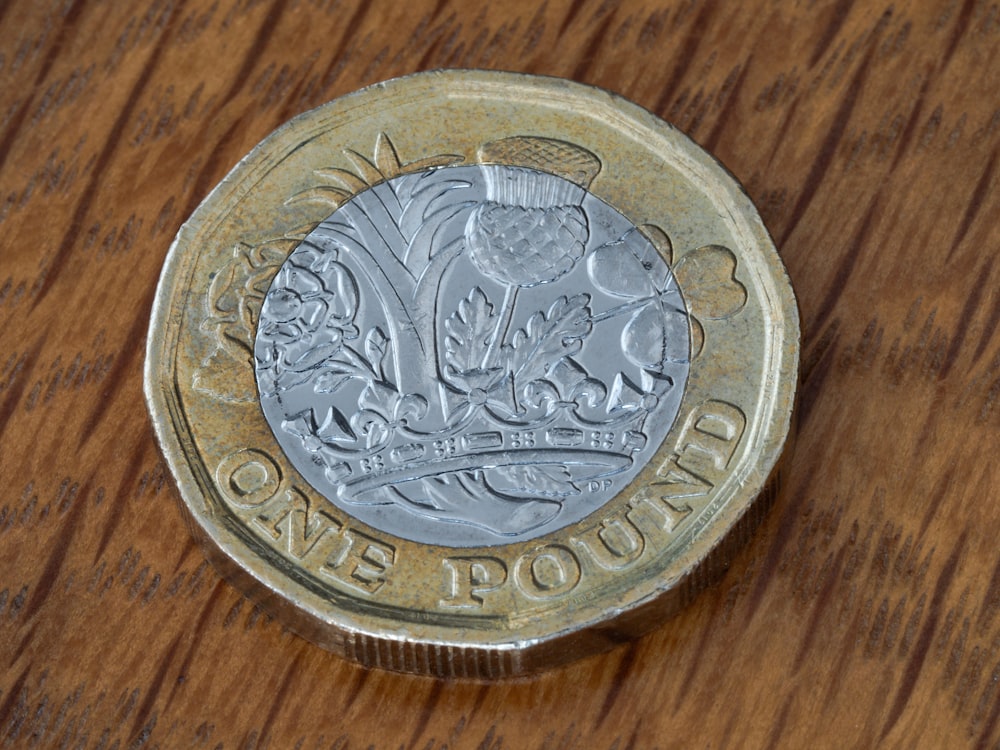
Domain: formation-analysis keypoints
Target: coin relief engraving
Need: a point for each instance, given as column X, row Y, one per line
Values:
column 468, row 355
column 448, row 406
column 284, row 516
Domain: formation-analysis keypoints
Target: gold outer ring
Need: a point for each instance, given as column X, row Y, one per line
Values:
column 494, row 611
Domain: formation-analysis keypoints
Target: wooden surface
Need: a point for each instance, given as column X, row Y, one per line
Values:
column 866, row 611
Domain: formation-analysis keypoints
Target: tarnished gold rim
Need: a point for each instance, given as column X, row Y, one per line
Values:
column 520, row 638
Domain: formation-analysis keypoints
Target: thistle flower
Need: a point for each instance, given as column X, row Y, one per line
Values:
column 531, row 229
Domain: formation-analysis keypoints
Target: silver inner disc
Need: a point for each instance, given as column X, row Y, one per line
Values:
column 474, row 355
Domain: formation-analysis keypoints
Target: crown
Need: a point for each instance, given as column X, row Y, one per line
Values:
column 551, row 456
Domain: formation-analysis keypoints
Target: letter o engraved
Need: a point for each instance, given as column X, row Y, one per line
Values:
column 547, row 572
column 615, row 544
column 249, row 478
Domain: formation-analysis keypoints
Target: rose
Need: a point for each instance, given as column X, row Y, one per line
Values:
column 304, row 320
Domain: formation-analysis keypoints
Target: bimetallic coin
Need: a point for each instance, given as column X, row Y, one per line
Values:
column 472, row 373
column 437, row 355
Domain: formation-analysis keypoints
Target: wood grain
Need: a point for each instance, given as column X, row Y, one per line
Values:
column 865, row 612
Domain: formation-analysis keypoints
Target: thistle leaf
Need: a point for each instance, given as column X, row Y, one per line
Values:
column 386, row 158
column 422, row 205
column 438, row 160
column 341, row 177
column 322, row 194
column 366, row 170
